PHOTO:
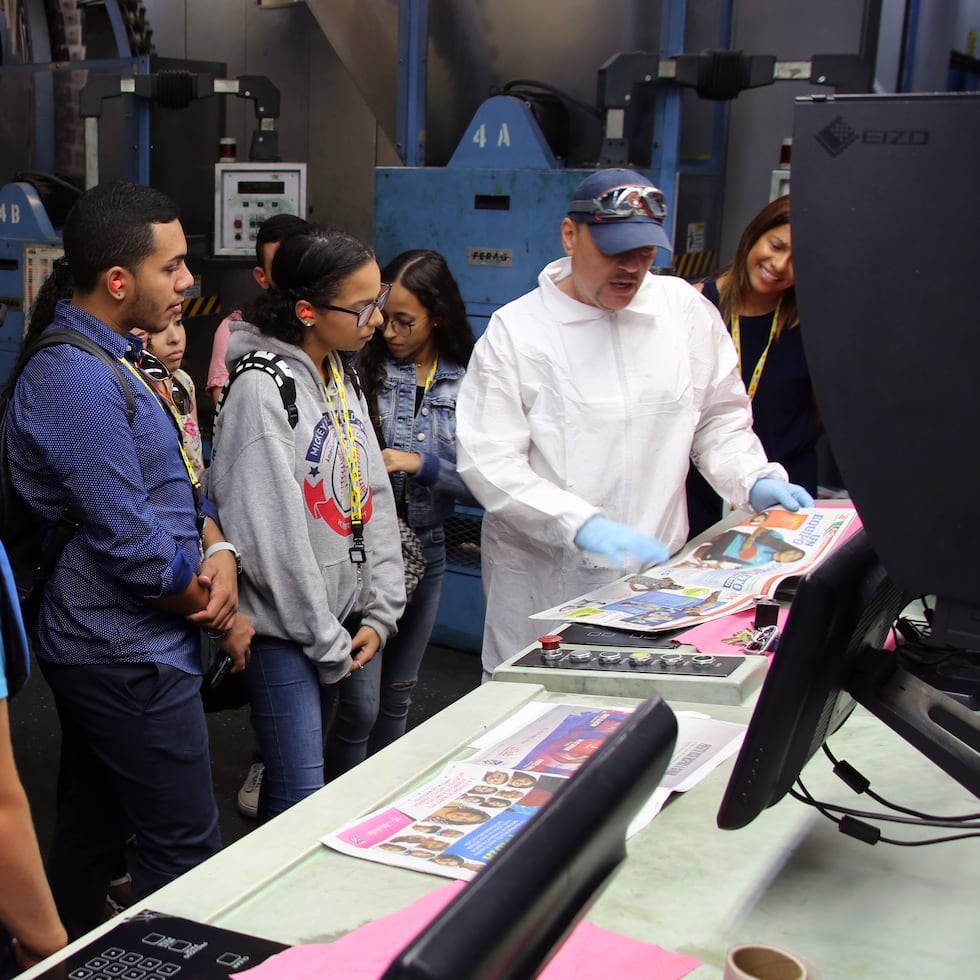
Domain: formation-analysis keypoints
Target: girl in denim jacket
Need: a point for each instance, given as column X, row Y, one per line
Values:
column 411, row 374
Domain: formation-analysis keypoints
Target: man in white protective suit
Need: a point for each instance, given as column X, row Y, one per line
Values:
column 581, row 406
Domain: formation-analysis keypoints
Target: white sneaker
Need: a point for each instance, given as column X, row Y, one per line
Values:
column 248, row 795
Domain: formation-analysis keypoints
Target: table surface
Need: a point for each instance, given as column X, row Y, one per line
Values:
column 789, row 879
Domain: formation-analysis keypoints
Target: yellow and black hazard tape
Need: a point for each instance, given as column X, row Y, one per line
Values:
column 202, row 306
column 694, row 265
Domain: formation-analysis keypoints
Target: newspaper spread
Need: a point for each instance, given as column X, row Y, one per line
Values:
column 716, row 577
column 454, row 822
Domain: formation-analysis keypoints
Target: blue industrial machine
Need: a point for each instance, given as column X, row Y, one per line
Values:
column 29, row 245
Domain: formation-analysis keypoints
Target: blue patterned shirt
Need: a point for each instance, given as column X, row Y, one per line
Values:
column 70, row 442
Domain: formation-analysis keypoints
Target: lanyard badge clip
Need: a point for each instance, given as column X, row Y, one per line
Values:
column 357, row 551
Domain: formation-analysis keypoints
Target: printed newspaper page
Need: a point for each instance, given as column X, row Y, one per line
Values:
column 458, row 819
column 717, row 577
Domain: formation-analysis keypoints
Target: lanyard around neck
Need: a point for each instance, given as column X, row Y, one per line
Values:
column 345, row 434
column 163, row 401
column 761, row 363
column 431, row 376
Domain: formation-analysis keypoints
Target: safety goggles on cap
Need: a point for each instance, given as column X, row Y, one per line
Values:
column 160, row 374
column 628, row 201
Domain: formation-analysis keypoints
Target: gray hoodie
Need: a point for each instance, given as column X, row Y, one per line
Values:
column 283, row 497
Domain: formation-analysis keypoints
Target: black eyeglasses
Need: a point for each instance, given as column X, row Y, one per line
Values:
column 160, row 374
column 365, row 313
column 403, row 327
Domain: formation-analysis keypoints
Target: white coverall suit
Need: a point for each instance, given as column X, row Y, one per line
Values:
column 567, row 411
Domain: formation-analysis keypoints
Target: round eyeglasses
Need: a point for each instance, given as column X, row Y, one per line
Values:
column 365, row 313
column 403, row 327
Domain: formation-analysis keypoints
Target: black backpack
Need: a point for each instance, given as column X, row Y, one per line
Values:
column 32, row 548
column 273, row 365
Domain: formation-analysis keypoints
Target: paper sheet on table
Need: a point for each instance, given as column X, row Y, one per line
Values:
column 589, row 953
column 703, row 744
column 455, row 821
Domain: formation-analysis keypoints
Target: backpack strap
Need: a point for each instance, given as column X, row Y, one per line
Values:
column 50, row 544
column 277, row 369
column 75, row 339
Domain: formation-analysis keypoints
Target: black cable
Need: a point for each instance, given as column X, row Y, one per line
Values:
column 848, row 773
column 28, row 175
column 564, row 96
column 848, row 824
column 806, row 797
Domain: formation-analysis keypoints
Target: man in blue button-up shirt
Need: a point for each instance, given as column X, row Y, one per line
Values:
column 118, row 634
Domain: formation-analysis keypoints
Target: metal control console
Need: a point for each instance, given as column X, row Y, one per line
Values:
column 245, row 194
column 674, row 672
column 680, row 661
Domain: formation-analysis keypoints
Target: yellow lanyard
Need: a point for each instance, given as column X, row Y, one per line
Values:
column 162, row 400
column 737, row 339
column 429, row 378
column 345, row 433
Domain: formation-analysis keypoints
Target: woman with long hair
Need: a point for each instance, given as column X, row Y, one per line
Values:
column 411, row 374
column 757, row 300
column 305, row 496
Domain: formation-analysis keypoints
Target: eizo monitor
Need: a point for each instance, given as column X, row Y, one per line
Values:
column 831, row 656
column 885, row 192
column 515, row 913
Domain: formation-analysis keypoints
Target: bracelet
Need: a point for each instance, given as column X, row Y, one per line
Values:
column 217, row 634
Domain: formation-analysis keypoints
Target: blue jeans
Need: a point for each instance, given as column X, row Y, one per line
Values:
column 403, row 654
column 134, row 757
column 381, row 693
column 289, row 708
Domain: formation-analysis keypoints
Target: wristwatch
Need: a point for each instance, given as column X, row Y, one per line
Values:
column 225, row 546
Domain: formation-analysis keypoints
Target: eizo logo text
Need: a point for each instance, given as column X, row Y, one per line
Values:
column 896, row 137
column 838, row 135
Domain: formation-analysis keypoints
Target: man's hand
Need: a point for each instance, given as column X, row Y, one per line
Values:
column 767, row 492
column 219, row 575
column 619, row 542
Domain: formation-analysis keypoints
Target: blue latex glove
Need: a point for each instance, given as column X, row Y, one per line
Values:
column 767, row 492
column 619, row 542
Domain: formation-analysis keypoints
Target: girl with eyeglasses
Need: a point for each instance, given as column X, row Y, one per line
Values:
column 757, row 300
column 306, row 498
column 411, row 373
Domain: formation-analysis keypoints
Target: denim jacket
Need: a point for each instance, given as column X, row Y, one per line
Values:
column 432, row 434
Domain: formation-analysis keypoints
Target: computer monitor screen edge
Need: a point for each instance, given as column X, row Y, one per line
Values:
column 512, row 917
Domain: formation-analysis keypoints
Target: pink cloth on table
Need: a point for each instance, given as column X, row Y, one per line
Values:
column 589, row 953
column 710, row 637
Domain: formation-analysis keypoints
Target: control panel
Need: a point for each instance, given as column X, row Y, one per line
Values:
column 653, row 666
column 245, row 194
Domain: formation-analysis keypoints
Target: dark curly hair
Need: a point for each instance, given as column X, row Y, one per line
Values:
column 425, row 274
column 310, row 265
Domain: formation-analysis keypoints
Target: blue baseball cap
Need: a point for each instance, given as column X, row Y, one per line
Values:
column 622, row 209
